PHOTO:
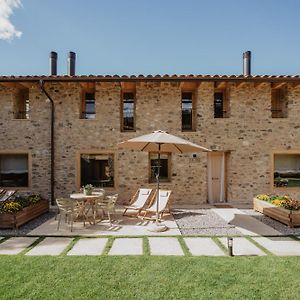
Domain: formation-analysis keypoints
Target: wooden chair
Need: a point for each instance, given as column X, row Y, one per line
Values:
column 108, row 206
column 69, row 208
column 97, row 206
column 163, row 205
column 138, row 201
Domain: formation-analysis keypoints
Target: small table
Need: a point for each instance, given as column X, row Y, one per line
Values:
column 86, row 198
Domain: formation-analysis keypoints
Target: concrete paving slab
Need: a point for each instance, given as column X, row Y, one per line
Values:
column 165, row 246
column 246, row 224
column 89, row 246
column 203, row 246
column 281, row 246
column 50, row 246
column 15, row 245
column 242, row 246
column 127, row 246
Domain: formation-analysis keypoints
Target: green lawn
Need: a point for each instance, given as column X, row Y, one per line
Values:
column 148, row 277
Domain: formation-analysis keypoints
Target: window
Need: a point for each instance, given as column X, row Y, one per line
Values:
column 128, row 112
column 187, row 111
column 279, row 103
column 164, row 170
column 97, row 169
column 221, row 105
column 287, row 170
column 88, row 106
column 21, row 105
column 14, row 170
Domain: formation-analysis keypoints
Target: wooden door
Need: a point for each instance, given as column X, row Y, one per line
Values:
column 216, row 177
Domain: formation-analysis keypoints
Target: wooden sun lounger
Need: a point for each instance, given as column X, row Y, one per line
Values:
column 163, row 206
column 138, row 201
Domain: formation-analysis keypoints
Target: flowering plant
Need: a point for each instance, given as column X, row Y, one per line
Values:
column 11, row 207
column 17, row 204
column 263, row 197
column 271, row 198
column 291, row 204
column 277, row 202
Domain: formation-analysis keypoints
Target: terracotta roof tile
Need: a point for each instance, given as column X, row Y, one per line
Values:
column 150, row 76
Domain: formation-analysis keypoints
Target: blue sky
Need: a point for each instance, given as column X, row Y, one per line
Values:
column 154, row 36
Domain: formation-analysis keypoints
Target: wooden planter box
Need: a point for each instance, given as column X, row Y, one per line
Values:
column 285, row 216
column 260, row 205
column 28, row 213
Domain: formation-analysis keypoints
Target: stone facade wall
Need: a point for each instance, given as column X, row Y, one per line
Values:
column 249, row 135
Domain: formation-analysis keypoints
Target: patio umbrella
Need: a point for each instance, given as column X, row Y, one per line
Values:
column 161, row 141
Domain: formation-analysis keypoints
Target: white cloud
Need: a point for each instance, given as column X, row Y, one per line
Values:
column 7, row 30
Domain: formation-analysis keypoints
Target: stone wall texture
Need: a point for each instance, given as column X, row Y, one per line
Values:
column 249, row 136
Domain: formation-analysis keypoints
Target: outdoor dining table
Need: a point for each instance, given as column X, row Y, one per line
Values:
column 86, row 199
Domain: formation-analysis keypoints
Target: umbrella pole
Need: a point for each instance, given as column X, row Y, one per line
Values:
column 157, row 180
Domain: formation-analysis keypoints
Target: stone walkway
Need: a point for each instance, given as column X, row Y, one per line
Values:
column 163, row 246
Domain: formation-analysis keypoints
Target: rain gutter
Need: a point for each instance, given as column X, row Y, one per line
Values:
column 41, row 83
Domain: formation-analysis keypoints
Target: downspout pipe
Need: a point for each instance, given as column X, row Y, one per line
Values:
column 41, row 83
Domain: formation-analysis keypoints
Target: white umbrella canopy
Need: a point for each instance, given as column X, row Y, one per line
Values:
column 161, row 141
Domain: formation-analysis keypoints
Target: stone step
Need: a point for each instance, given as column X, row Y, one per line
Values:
column 165, row 246
column 15, row 245
column 88, row 246
column 281, row 246
column 203, row 246
column 50, row 246
column 127, row 246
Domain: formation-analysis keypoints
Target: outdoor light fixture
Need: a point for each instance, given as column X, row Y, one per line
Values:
column 230, row 246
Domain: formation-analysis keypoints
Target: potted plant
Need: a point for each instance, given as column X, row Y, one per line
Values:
column 88, row 189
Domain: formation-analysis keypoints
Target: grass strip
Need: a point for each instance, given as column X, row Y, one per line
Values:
column 32, row 245
column 146, row 246
column 220, row 244
column 69, row 247
column 184, row 246
column 108, row 245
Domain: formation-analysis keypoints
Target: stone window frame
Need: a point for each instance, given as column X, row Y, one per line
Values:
column 20, row 98
column 29, row 156
column 124, row 91
column 87, row 90
column 226, row 102
column 279, row 103
column 93, row 151
column 194, row 108
column 150, row 180
column 273, row 153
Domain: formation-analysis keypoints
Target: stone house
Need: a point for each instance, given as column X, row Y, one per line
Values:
column 250, row 122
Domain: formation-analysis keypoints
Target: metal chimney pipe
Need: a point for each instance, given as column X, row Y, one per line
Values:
column 53, row 63
column 247, row 63
column 71, row 63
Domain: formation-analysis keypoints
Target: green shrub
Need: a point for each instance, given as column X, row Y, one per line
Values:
column 32, row 199
column 23, row 201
